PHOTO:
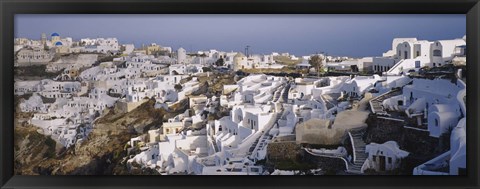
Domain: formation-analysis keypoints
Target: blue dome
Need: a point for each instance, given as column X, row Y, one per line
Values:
column 55, row 34
column 58, row 43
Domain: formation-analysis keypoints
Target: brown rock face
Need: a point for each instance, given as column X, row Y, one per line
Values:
column 100, row 154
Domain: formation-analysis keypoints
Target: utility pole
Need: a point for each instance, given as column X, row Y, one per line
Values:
column 246, row 50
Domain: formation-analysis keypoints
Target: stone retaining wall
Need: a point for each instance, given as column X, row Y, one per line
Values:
column 285, row 150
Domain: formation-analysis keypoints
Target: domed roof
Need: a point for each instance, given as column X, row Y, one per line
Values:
column 58, row 43
column 55, row 34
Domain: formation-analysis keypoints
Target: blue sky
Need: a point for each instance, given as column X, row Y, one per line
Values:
column 343, row 35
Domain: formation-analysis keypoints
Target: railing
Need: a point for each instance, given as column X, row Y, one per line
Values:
column 328, row 156
column 353, row 146
column 395, row 66
column 380, row 96
column 270, row 124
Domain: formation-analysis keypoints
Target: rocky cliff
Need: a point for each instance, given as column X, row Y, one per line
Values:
column 101, row 154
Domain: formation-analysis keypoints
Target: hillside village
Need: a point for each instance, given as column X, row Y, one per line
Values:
column 403, row 112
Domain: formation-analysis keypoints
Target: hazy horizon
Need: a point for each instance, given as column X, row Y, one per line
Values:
column 340, row 35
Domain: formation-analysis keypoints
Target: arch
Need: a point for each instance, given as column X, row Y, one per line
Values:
column 66, row 77
column 239, row 115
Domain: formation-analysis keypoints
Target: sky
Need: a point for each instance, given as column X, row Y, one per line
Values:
column 341, row 35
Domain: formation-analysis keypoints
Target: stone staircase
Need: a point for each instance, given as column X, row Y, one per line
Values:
column 359, row 154
column 262, row 139
column 277, row 94
column 215, row 146
column 376, row 103
column 394, row 70
column 285, row 93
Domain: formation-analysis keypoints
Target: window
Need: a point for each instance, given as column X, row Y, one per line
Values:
column 437, row 52
column 389, row 160
column 374, row 158
column 417, row 64
column 436, row 122
column 418, row 53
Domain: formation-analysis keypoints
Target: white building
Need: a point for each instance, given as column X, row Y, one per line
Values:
column 413, row 54
column 181, row 56
column 33, row 55
column 443, row 51
column 128, row 48
column 384, row 157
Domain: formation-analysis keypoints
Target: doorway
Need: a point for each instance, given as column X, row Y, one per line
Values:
column 381, row 163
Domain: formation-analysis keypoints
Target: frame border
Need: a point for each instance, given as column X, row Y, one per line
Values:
column 8, row 8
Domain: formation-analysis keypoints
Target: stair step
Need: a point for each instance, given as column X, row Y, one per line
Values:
column 360, row 158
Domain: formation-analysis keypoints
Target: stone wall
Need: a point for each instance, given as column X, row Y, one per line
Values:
column 417, row 142
column 329, row 166
column 285, row 150
column 382, row 130
column 421, row 146
column 126, row 107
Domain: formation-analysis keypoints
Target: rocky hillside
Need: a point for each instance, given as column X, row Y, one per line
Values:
column 31, row 147
column 101, row 154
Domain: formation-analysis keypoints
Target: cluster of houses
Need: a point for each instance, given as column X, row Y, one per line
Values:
column 60, row 109
column 407, row 55
column 221, row 146
column 74, row 99
column 265, row 109
column 262, row 109
column 43, row 51
column 258, row 116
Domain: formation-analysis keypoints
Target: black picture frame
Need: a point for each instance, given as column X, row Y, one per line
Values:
column 8, row 8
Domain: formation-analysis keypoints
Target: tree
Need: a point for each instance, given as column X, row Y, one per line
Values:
column 206, row 69
column 316, row 62
column 220, row 62
column 178, row 87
